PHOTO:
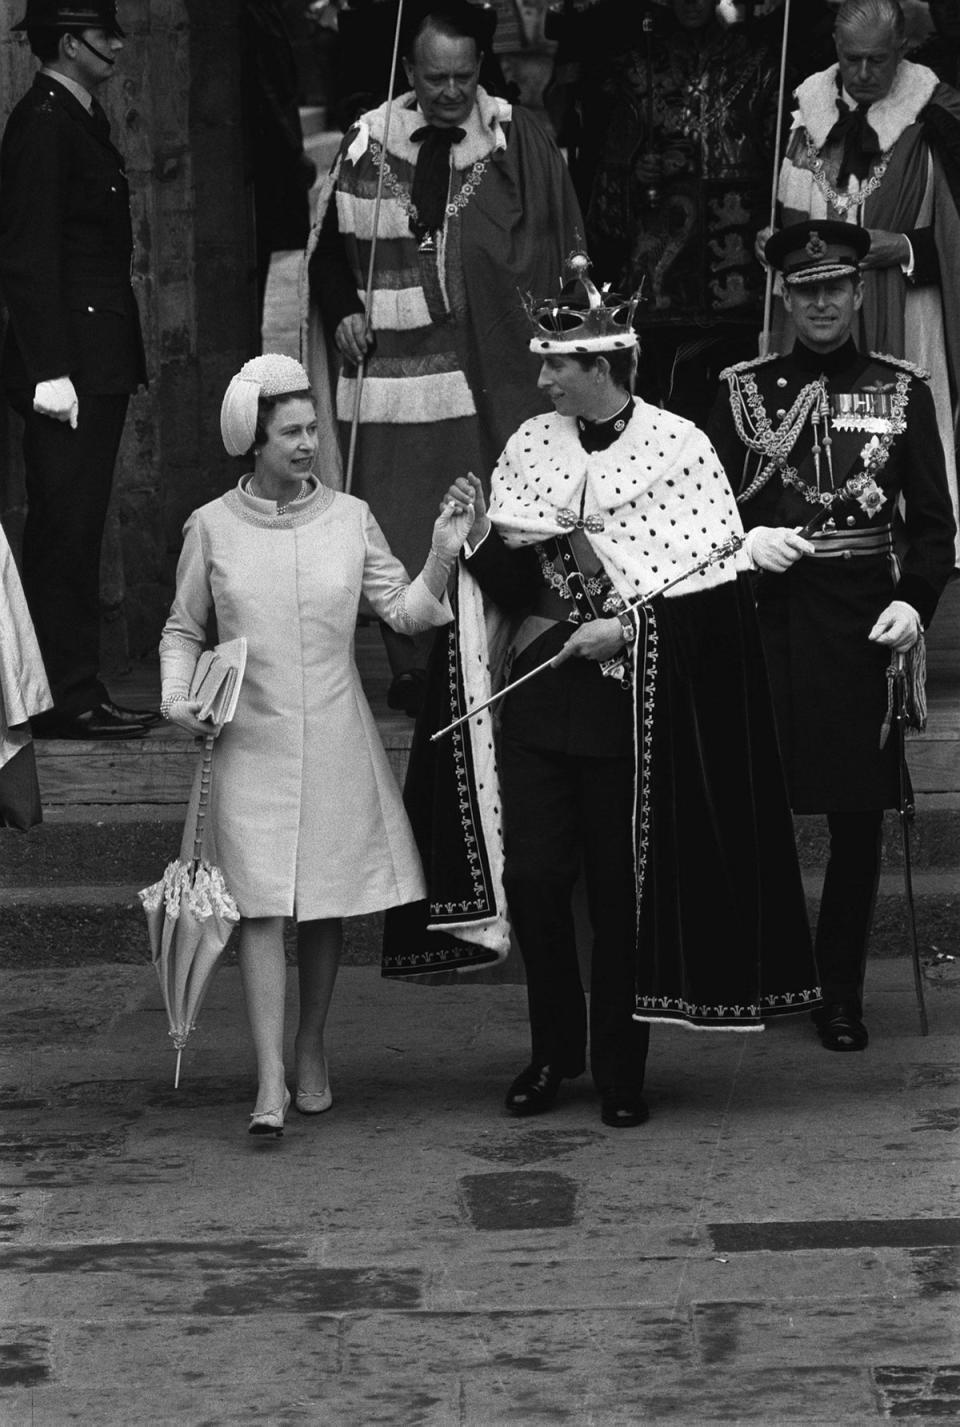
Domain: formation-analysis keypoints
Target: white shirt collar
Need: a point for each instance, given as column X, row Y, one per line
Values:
column 77, row 90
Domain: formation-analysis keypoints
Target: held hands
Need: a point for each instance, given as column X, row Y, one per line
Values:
column 57, row 399
column 450, row 530
column 898, row 627
column 466, row 492
column 599, row 639
column 775, row 548
column 354, row 337
column 760, row 242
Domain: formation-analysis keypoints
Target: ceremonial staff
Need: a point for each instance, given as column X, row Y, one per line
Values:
column 368, row 295
column 722, row 552
column 906, row 812
column 768, row 292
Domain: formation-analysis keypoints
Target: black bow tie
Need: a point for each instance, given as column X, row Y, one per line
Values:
column 431, row 177
column 860, row 143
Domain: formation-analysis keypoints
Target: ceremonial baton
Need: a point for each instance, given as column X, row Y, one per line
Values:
column 722, row 552
column 768, row 290
column 906, row 812
column 368, row 295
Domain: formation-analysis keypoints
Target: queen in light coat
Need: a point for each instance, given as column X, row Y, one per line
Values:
column 305, row 818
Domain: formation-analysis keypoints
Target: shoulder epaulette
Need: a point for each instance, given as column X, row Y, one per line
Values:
column 748, row 365
column 902, row 364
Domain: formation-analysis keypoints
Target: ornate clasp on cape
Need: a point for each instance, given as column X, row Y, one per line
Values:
column 592, row 524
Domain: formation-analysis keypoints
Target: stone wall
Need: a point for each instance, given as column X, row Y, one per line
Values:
column 174, row 106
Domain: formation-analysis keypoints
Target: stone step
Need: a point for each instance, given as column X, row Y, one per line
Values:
column 160, row 768
column 132, row 844
column 77, row 923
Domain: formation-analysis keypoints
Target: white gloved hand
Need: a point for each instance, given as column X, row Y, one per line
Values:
column 775, row 547
column 57, row 398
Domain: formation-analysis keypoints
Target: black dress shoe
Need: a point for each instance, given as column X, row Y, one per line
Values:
column 94, row 723
column 147, row 717
column 840, row 1028
column 534, row 1090
column 405, row 694
column 623, row 1108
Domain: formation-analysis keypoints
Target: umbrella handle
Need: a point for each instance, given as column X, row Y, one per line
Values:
column 204, row 798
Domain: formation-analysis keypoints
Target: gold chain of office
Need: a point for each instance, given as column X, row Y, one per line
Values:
column 400, row 193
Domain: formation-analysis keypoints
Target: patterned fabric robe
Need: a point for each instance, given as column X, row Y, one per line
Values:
column 451, row 376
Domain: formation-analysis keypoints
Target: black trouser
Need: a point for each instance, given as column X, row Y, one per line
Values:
column 68, row 475
column 846, row 905
column 558, row 809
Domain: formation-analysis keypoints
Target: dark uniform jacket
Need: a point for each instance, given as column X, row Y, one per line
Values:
column 829, row 681
column 65, row 249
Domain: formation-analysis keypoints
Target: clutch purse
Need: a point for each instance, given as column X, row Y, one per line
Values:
column 216, row 681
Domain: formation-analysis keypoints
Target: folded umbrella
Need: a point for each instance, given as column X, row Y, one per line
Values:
column 190, row 915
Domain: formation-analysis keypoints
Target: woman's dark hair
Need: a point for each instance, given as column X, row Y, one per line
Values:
column 268, row 404
column 621, row 362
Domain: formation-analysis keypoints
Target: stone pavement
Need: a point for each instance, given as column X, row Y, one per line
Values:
column 780, row 1244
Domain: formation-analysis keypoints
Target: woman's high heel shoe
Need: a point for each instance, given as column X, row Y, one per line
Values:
column 270, row 1122
column 314, row 1102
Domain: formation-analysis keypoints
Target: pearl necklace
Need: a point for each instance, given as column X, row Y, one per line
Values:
column 284, row 505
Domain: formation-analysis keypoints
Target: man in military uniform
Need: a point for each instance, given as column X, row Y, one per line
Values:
column 819, row 446
column 73, row 351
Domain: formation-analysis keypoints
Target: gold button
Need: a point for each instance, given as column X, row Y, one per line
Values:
column 781, row 411
column 781, row 381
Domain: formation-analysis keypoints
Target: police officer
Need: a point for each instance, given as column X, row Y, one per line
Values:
column 830, row 438
column 73, row 351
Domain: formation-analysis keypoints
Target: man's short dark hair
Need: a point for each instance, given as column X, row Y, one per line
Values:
column 44, row 41
column 457, row 19
column 621, row 363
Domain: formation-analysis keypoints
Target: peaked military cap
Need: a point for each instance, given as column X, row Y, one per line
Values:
column 71, row 15
column 817, row 251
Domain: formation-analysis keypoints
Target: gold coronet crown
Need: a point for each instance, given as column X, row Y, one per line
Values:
column 564, row 325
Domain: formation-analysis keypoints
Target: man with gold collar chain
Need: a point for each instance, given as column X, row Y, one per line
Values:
column 820, row 447
column 875, row 141
column 656, row 779
column 476, row 205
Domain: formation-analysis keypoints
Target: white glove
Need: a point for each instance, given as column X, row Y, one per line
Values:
column 57, row 398
column 898, row 627
column 775, row 547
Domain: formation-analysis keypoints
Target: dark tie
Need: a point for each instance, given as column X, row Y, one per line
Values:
column 100, row 121
column 859, row 140
column 431, row 177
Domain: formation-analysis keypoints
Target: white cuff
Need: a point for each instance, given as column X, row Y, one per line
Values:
column 469, row 549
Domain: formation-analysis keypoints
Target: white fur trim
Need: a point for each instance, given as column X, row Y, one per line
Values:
column 484, row 129
column 477, row 656
column 913, row 85
column 402, row 309
column 407, row 400
column 660, row 460
column 546, row 345
column 798, row 190
column 355, row 216
column 694, row 1026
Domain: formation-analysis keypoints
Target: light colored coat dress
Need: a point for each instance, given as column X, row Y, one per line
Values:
column 305, row 816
